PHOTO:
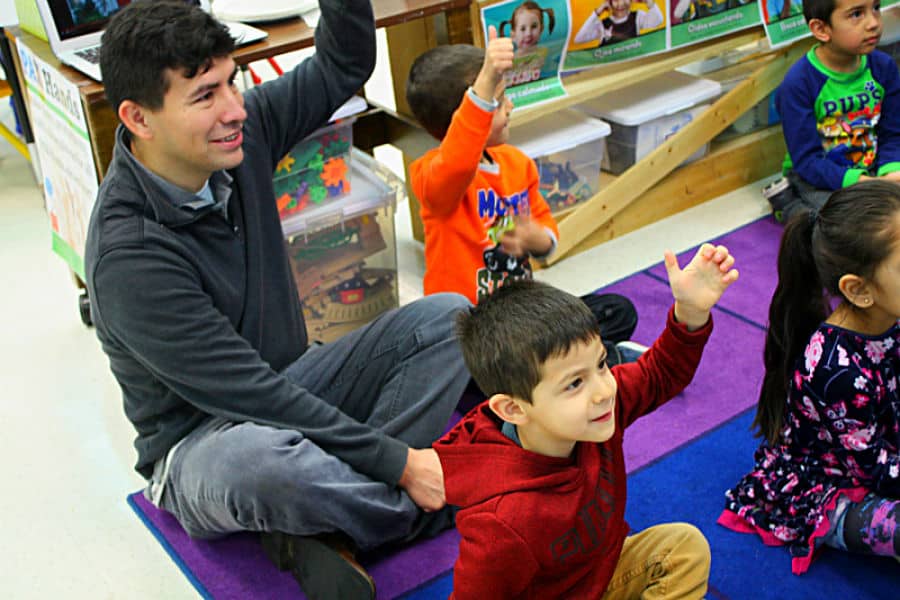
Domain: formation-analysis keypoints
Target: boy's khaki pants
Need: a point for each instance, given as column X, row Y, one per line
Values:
column 665, row 561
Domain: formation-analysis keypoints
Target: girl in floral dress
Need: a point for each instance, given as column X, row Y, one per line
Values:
column 828, row 470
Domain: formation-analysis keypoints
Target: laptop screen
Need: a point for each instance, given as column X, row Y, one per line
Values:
column 79, row 17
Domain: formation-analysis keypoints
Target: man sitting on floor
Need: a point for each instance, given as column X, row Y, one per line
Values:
column 242, row 426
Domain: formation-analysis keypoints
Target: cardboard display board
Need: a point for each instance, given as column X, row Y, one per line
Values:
column 64, row 153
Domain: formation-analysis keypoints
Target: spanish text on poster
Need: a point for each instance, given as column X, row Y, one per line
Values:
column 783, row 20
column 694, row 21
column 608, row 31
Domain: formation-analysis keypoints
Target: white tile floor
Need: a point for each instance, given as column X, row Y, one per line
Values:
column 66, row 453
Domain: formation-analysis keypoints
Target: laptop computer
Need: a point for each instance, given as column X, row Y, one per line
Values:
column 74, row 28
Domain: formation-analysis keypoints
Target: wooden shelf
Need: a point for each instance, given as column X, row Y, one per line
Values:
column 624, row 193
column 654, row 187
column 591, row 83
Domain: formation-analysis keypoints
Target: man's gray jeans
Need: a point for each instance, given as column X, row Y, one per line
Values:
column 403, row 374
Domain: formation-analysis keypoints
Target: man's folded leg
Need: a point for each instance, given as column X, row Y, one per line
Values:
column 228, row 477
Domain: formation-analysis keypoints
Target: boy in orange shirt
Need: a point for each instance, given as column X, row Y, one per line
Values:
column 483, row 214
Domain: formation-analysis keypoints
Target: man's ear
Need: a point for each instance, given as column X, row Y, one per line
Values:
column 134, row 117
column 820, row 30
column 856, row 290
column 508, row 408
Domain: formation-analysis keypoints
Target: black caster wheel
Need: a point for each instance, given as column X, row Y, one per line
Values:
column 84, row 307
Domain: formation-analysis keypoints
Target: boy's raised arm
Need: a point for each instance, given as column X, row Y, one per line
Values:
column 441, row 181
column 701, row 283
column 668, row 367
column 498, row 59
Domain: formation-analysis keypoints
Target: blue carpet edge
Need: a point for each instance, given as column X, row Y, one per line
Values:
column 688, row 442
column 176, row 558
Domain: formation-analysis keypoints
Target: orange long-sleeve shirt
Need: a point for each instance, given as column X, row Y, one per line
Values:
column 462, row 198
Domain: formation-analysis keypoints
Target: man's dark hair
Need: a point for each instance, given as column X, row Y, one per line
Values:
column 149, row 36
column 508, row 336
column 818, row 9
column 437, row 81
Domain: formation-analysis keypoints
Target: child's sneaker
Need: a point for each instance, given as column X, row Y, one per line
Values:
column 630, row 351
column 779, row 194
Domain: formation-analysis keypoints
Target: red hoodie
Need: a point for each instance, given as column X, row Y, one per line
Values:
column 536, row 526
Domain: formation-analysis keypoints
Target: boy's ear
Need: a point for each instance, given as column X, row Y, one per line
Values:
column 820, row 30
column 134, row 117
column 856, row 290
column 507, row 408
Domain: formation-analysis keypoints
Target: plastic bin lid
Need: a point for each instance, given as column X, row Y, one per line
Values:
column 656, row 97
column 890, row 29
column 372, row 187
column 563, row 130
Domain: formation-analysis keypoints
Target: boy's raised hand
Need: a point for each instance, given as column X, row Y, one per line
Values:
column 498, row 59
column 701, row 283
column 527, row 237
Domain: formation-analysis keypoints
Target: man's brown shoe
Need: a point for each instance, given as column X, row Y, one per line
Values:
column 324, row 565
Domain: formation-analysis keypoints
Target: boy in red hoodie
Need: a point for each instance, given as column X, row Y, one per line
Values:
column 484, row 217
column 538, row 470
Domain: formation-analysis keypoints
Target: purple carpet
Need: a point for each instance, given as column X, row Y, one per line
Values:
column 236, row 568
column 755, row 247
column 725, row 385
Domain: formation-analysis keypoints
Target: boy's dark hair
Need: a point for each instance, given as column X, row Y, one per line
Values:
column 818, row 9
column 148, row 37
column 437, row 81
column 508, row 336
column 853, row 233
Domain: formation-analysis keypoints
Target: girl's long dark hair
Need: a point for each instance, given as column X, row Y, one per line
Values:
column 853, row 233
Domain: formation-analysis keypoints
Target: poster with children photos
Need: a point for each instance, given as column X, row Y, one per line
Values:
column 539, row 30
column 784, row 21
column 694, row 21
column 609, row 31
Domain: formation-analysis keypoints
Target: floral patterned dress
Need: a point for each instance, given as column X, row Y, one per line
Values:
column 840, row 436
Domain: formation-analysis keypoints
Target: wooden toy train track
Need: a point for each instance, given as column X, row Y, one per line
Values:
column 361, row 295
column 321, row 256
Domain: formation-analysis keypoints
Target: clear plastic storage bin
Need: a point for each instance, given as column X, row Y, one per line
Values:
column 316, row 171
column 344, row 253
column 890, row 33
column 645, row 115
column 567, row 147
column 759, row 116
